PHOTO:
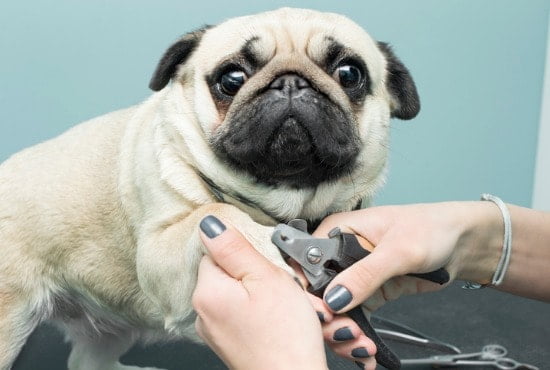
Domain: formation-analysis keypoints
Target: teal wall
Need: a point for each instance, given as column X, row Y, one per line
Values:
column 478, row 66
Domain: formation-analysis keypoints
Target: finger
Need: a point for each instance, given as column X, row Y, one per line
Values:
column 214, row 285
column 370, row 223
column 368, row 364
column 231, row 251
column 356, row 350
column 342, row 327
column 355, row 284
column 324, row 314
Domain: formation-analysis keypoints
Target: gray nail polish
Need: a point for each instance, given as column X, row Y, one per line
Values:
column 338, row 298
column 360, row 352
column 211, row 226
column 321, row 316
column 343, row 334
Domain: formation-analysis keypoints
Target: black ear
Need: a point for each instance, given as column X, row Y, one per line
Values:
column 174, row 56
column 406, row 103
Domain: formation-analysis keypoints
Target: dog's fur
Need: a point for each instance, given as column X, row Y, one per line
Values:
column 98, row 227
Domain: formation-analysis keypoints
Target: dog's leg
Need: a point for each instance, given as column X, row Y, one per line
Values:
column 100, row 351
column 169, row 255
column 16, row 324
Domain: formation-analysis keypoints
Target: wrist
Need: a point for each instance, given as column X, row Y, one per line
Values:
column 480, row 243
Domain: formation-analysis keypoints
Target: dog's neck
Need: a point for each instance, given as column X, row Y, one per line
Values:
column 232, row 196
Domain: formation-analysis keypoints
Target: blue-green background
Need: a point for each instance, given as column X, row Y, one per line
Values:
column 478, row 67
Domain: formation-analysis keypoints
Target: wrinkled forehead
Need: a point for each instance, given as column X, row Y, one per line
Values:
column 288, row 32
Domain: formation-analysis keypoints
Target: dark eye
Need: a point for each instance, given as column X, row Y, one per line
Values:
column 232, row 81
column 349, row 76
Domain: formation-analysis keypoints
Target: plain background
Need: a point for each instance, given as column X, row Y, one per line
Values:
column 478, row 66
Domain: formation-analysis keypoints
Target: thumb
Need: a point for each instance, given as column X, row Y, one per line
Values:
column 229, row 249
column 354, row 285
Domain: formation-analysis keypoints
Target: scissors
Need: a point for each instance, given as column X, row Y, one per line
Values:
column 322, row 258
column 491, row 355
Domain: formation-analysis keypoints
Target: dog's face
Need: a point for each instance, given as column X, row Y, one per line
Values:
column 292, row 97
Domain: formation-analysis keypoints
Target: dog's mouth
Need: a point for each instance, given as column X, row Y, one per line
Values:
column 298, row 142
column 289, row 149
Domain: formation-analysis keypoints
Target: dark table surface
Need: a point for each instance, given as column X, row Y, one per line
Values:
column 467, row 319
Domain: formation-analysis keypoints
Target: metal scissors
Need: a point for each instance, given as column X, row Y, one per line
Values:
column 491, row 355
column 322, row 258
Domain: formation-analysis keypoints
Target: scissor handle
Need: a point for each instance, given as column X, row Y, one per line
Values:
column 493, row 351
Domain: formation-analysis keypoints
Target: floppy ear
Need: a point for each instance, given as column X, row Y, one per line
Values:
column 174, row 56
column 406, row 103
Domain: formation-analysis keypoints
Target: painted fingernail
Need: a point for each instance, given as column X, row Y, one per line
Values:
column 360, row 352
column 343, row 334
column 338, row 298
column 360, row 364
column 321, row 316
column 211, row 226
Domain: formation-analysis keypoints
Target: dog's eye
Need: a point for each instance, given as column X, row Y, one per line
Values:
column 232, row 81
column 349, row 76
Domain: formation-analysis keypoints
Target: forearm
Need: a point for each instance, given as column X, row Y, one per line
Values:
column 529, row 272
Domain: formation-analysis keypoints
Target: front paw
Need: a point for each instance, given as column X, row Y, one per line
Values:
column 260, row 238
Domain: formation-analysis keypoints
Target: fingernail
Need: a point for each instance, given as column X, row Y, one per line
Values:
column 338, row 298
column 343, row 334
column 360, row 352
column 211, row 226
column 321, row 316
column 360, row 364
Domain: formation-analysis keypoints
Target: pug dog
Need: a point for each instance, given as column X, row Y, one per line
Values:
column 258, row 120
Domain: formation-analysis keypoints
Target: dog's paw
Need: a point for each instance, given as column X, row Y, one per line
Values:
column 260, row 238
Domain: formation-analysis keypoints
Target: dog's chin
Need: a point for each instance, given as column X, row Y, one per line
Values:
column 292, row 158
column 293, row 155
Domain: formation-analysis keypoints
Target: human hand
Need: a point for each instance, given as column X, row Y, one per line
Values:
column 408, row 239
column 414, row 239
column 251, row 313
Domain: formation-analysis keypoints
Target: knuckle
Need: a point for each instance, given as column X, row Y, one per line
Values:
column 415, row 256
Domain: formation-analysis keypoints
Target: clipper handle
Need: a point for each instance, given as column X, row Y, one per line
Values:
column 384, row 355
column 356, row 247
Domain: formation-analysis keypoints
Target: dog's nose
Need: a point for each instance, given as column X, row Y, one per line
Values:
column 290, row 84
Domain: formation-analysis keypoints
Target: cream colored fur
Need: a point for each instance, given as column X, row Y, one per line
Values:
column 98, row 227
